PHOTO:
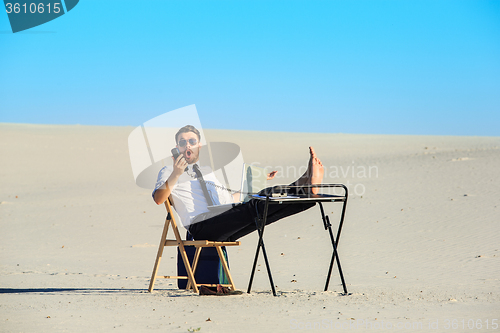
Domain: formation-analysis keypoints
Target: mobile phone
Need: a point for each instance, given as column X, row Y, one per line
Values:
column 175, row 153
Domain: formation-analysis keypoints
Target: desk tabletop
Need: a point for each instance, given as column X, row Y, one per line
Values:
column 302, row 198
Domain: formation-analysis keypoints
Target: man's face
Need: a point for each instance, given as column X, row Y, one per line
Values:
column 189, row 146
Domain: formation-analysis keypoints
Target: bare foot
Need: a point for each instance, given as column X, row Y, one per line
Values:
column 306, row 177
column 313, row 153
column 317, row 171
column 314, row 171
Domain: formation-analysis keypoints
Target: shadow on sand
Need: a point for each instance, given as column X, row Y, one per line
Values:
column 95, row 291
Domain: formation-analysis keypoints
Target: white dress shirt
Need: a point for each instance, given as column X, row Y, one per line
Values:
column 187, row 195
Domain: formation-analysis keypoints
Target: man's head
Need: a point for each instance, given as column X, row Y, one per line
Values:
column 188, row 142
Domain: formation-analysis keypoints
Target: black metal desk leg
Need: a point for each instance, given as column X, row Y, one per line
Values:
column 328, row 226
column 329, row 272
column 254, row 265
column 268, row 268
column 261, row 244
column 260, row 229
column 334, row 255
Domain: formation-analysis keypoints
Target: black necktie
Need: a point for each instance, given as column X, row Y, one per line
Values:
column 197, row 171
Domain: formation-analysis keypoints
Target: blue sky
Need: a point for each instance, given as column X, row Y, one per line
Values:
column 381, row 67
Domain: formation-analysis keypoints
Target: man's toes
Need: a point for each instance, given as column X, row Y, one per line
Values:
column 312, row 152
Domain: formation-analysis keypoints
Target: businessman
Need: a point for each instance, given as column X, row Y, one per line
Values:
column 192, row 188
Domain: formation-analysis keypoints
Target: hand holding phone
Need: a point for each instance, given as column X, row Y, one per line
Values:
column 175, row 153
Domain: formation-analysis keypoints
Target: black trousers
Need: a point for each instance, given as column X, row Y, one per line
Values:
column 240, row 220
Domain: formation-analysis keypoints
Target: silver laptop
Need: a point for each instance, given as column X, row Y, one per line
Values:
column 253, row 180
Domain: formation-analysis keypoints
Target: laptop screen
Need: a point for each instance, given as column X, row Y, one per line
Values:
column 253, row 180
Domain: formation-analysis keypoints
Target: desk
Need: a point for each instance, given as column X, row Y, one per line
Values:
column 294, row 199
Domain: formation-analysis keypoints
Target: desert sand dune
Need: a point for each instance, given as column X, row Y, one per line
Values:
column 419, row 247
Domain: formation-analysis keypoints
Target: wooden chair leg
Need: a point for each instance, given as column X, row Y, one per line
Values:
column 190, row 274
column 225, row 266
column 196, row 258
column 159, row 255
column 195, row 264
column 190, row 268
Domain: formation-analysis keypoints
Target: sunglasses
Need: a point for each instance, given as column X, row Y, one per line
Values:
column 183, row 143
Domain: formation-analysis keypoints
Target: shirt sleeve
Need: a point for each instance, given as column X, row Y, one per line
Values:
column 162, row 178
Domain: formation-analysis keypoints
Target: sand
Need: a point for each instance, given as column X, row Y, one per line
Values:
column 419, row 248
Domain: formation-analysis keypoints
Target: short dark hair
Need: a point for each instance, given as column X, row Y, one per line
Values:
column 188, row 128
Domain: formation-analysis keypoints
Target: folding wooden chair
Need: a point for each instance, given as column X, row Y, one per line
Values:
column 199, row 244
